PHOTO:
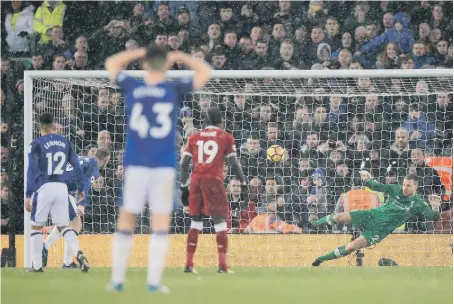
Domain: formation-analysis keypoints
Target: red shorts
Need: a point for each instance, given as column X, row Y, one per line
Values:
column 208, row 196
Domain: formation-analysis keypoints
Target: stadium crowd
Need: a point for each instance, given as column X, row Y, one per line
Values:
column 327, row 137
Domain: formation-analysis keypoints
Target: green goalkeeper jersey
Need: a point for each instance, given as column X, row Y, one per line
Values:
column 398, row 208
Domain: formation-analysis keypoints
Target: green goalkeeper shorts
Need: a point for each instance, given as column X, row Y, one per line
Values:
column 374, row 229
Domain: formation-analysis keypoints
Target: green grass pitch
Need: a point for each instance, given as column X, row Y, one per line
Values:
column 385, row 285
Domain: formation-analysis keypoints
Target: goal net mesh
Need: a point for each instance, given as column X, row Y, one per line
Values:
column 330, row 128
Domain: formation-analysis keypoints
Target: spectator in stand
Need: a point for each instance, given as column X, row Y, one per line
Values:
column 389, row 58
column 371, row 30
column 441, row 55
column 317, row 37
column 4, row 208
column 48, row 15
column 344, row 60
column 287, row 59
column 143, row 32
column 80, row 61
column 163, row 16
column 421, row 131
column 242, row 211
column 256, row 34
column 18, row 26
column 387, row 22
column 252, row 157
column 434, row 37
column 214, row 35
column 247, row 19
column 59, row 62
column 104, row 139
column 262, row 59
column 399, row 152
column 406, row 62
column 311, row 150
column 357, row 19
column 184, row 18
column 37, row 63
column 277, row 36
column 247, row 55
column 219, row 58
column 3, row 155
column 161, row 36
column 226, row 16
column 423, row 33
column 399, row 34
column 137, row 15
column 231, row 48
column 324, row 54
column 422, row 61
column 333, row 37
column 318, row 200
column 56, row 44
column 107, row 41
column 438, row 19
column 430, row 182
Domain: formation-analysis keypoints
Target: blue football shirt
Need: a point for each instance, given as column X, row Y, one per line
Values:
column 90, row 173
column 152, row 116
column 48, row 158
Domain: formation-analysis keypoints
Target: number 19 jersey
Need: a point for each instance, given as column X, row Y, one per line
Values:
column 152, row 115
column 208, row 148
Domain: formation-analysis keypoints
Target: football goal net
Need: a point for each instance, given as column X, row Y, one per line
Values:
column 329, row 124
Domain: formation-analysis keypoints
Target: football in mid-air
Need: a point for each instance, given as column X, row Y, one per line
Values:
column 275, row 153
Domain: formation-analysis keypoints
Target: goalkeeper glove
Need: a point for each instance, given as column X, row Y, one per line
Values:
column 185, row 196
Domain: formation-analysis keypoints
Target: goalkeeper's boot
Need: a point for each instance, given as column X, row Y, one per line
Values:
column 83, row 262
column 188, row 269
column 70, row 266
column 158, row 289
column 225, row 270
column 45, row 254
column 114, row 287
column 317, row 262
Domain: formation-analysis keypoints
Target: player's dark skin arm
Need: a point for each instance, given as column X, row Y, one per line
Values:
column 236, row 168
column 184, row 177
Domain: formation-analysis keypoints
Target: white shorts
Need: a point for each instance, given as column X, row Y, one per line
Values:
column 50, row 198
column 155, row 185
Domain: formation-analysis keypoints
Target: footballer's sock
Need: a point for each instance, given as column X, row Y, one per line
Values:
column 326, row 220
column 222, row 242
column 121, row 248
column 191, row 245
column 335, row 254
column 157, row 256
column 37, row 248
column 68, row 255
column 52, row 238
column 70, row 237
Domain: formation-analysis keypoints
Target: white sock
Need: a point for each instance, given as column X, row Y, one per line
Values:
column 68, row 255
column 121, row 248
column 36, row 241
column 157, row 256
column 52, row 238
column 70, row 237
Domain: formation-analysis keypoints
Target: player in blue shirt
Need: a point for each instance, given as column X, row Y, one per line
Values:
column 90, row 169
column 150, row 155
column 46, row 191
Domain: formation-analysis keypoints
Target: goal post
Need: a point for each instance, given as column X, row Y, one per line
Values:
column 74, row 98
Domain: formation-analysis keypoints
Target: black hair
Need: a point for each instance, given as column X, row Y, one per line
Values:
column 156, row 57
column 214, row 116
column 46, row 119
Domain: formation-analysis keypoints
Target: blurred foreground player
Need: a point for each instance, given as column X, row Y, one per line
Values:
column 207, row 195
column 90, row 170
column 150, row 154
column 49, row 155
column 403, row 202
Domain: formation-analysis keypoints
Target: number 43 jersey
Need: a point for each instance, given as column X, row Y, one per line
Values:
column 152, row 115
column 208, row 148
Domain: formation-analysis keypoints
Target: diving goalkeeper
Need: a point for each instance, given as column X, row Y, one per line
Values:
column 403, row 202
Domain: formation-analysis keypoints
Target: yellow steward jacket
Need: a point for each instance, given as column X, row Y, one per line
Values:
column 46, row 19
